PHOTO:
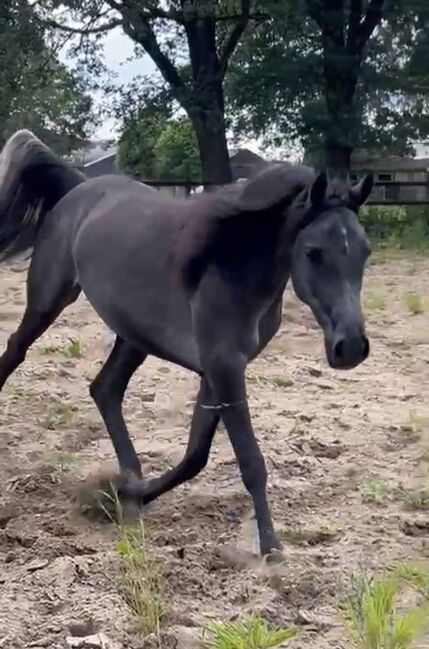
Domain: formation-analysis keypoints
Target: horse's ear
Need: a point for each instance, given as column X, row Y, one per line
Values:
column 318, row 189
column 359, row 194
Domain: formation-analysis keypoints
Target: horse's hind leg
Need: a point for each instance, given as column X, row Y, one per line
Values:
column 107, row 390
column 38, row 316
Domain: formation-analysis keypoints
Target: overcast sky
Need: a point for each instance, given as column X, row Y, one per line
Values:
column 118, row 49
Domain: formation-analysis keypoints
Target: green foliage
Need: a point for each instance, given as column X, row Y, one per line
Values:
column 140, row 133
column 373, row 615
column 153, row 145
column 38, row 92
column 406, row 227
column 176, row 151
column 289, row 56
column 249, row 633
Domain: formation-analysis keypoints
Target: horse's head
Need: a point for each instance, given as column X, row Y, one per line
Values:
column 328, row 261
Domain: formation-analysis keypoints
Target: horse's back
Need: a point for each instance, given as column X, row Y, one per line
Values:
column 122, row 255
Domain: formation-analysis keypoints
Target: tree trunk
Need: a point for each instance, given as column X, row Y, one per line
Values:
column 215, row 166
column 337, row 157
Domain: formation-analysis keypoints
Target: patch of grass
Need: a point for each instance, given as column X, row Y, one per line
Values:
column 64, row 460
column 251, row 632
column 71, row 349
column 414, row 499
column 376, row 618
column 375, row 302
column 415, row 575
column 414, row 303
column 141, row 577
column 414, row 425
column 255, row 377
column 74, row 348
column 60, row 414
column 374, row 491
column 281, row 381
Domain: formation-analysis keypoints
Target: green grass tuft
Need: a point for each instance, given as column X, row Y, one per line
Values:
column 141, row 579
column 374, row 491
column 373, row 614
column 414, row 303
column 251, row 632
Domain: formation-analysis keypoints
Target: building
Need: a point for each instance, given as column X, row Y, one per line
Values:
column 391, row 171
column 98, row 159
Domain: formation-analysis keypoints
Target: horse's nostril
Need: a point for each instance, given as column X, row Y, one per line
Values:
column 339, row 349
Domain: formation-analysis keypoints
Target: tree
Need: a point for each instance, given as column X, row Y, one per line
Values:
column 339, row 72
column 38, row 92
column 154, row 145
column 141, row 131
column 190, row 41
column 176, row 151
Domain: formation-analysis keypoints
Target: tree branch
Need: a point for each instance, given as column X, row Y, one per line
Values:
column 115, row 22
column 234, row 37
column 138, row 28
column 148, row 10
column 373, row 16
column 354, row 23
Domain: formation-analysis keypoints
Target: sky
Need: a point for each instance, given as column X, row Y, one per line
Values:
column 117, row 49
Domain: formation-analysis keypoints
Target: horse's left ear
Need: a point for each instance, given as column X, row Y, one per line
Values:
column 318, row 189
column 359, row 194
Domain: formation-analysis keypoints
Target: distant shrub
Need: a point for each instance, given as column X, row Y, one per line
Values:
column 405, row 227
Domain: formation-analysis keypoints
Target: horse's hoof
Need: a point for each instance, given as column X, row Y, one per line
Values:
column 275, row 556
column 105, row 497
column 134, row 490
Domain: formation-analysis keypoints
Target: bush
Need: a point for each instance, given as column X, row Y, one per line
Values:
column 405, row 227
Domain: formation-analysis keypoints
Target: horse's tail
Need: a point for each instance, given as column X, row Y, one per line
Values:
column 32, row 181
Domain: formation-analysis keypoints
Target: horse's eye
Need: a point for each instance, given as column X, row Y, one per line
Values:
column 315, row 255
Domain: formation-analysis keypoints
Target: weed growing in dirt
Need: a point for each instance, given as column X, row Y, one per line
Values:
column 416, row 576
column 415, row 425
column 374, row 491
column 281, row 381
column 141, row 578
column 60, row 414
column 413, row 302
column 63, row 460
column 414, row 499
column 376, row 618
column 374, row 302
column 252, row 632
column 71, row 349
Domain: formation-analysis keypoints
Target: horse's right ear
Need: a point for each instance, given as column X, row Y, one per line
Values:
column 318, row 189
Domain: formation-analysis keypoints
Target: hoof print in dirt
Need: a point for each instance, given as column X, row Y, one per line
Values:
column 96, row 641
column 319, row 449
column 415, row 527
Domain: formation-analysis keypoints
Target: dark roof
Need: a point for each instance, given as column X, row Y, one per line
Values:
column 245, row 156
column 394, row 163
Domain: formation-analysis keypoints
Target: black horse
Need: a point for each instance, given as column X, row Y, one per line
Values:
column 198, row 282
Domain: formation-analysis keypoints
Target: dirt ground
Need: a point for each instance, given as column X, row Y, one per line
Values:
column 341, row 449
